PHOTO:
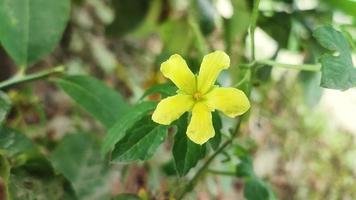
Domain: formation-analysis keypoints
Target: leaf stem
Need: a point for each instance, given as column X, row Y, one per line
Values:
column 224, row 173
column 305, row 67
column 18, row 79
column 252, row 28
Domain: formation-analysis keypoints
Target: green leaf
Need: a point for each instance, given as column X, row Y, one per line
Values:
column 102, row 102
column 186, row 153
column 255, row 189
column 245, row 167
column 30, row 29
column 217, row 123
column 77, row 158
column 5, row 106
column 24, row 185
column 119, row 129
column 337, row 71
column 141, row 143
column 165, row 89
column 129, row 14
column 205, row 13
column 311, row 88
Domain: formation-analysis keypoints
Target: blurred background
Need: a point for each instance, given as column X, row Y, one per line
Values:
column 303, row 137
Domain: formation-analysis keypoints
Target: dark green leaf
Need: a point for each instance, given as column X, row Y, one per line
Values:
column 30, row 29
column 255, row 189
column 119, row 129
column 337, row 71
column 205, row 13
column 5, row 106
column 186, row 153
column 245, row 167
column 128, row 15
column 102, row 102
column 140, row 144
column 77, row 158
column 311, row 88
column 217, row 123
column 165, row 89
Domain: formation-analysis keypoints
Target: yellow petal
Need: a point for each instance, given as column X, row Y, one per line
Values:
column 210, row 69
column 177, row 70
column 171, row 108
column 200, row 128
column 230, row 101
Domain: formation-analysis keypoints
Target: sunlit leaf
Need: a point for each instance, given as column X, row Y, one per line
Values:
column 30, row 29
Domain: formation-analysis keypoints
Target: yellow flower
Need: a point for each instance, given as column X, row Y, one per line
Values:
column 199, row 95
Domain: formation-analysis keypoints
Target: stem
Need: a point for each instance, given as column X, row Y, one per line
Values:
column 223, row 173
column 31, row 77
column 305, row 67
column 253, row 23
column 197, row 176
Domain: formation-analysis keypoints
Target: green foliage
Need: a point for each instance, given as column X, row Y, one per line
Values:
column 102, row 102
column 77, row 158
column 30, row 29
column 164, row 89
column 337, row 71
column 217, row 123
column 186, row 154
column 120, row 128
column 140, row 143
column 5, row 106
column 255, row 189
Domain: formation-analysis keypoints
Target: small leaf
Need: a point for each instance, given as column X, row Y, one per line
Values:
column 245, row 167
column 102, row 102
column 30, row 29
column 337, row 71
column 119, row 129
column 186, row 153
column 77, row 158
column 217, row 123
column 165, row 89
column 141, row 143
column 5, row 106
column 255, row 189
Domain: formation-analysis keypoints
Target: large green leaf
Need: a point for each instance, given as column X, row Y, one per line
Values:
column 337, row 71
column 30, row 29
column 78, row 159
column 140, row 143
column 186, row 153
column 102, row 102
column 5, row 106
column 119, row 129
column 255, row 189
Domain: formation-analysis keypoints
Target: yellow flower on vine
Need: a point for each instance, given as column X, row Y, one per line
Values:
column 199, row 95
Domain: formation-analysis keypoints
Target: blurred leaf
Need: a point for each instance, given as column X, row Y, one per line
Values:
column 127, row 197
column 177, row 36
column 348, row 6
column 14, row 144
column 128, row 15
column 186, row 153
column 205, row 13
column 24, row 185
column 30, row 29
column 245, row 167
column 255, row 189
column 278, row 29
column 119, row 129
column 165, row 89
column 217, row 123
column 311, row 87
column 141, row 143
column 78, row 159
column 102, row 102
column 5, row 106
column 337, row 71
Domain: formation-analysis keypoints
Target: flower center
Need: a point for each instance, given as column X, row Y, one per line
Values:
column 197, row 96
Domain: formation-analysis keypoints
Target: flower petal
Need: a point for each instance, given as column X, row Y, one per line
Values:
column 230, row 101
column 177, row 70
column 171, row 108
column 200, row 128
column 210, row 69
